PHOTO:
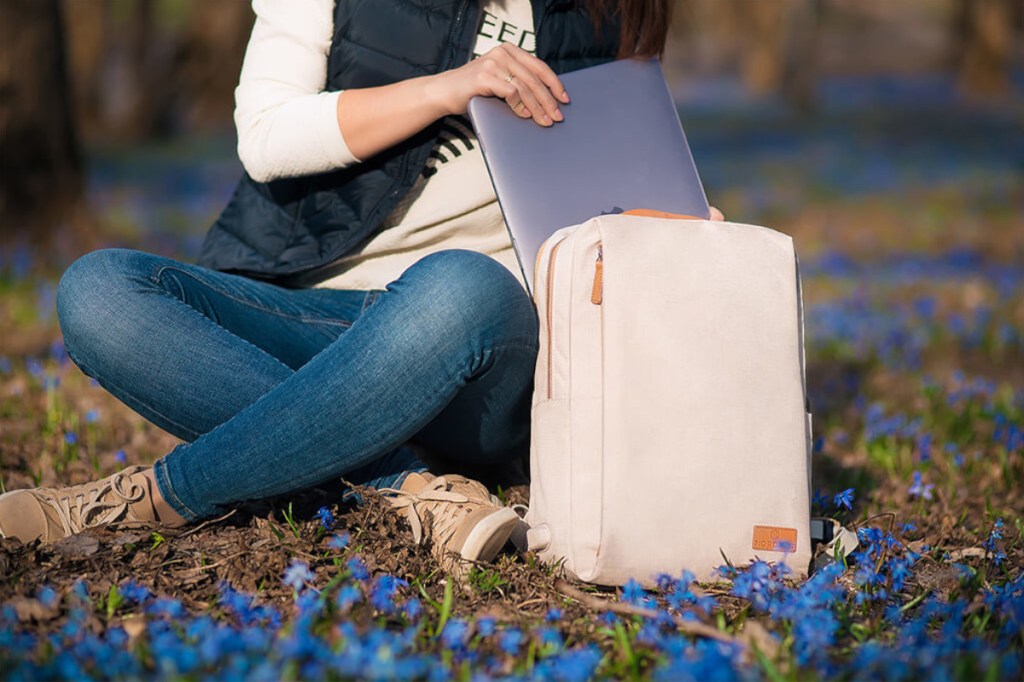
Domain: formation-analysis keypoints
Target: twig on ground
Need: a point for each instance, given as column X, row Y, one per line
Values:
column 689, row 627
column 206, row 523
column 531, row 602
column 754, row 634
column 198, row 570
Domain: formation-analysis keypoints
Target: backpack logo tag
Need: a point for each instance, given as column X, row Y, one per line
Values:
column 774, row 539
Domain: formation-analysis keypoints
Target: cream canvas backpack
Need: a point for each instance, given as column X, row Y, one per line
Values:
column 670, row 428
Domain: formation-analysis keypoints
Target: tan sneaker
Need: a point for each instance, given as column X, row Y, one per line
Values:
column 465, row 522
column 51, row 514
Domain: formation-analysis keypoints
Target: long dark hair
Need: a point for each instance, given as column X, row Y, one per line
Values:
column 644, row 24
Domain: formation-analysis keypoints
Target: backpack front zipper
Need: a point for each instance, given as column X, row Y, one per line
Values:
column 596, row 296
column 549, row 293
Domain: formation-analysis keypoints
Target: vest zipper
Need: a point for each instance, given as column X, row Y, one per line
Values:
column 456, row 25
column 549, row 296
column 597, row 290
column 536, row 29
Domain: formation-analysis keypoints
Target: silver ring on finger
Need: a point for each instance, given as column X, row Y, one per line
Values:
column 510, row 77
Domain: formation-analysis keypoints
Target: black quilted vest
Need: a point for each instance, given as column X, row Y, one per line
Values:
column 290, row 227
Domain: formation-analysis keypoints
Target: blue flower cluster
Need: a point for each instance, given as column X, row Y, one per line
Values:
column 871, row 324
column 313, row 637
column 157, row 638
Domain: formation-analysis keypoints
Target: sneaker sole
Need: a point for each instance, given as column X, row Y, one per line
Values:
column 490, row 535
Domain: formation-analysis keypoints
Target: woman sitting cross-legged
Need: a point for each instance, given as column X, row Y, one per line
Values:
column 359, row 291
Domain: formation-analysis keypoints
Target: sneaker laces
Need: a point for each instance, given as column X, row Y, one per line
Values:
column 94, row 504
column 439, row 501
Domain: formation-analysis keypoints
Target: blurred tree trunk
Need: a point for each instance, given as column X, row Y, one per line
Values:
column 762, row 58
column 776, row 43
column 985, row 32
column 40, row 163
column 88, row 35
column 144, row 69
column 800, row 70
column 216, row 33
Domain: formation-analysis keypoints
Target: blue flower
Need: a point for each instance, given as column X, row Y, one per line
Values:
column 919, row 488
column 170, row 608
column 237, row 603
column 844, row 499
column 486, row 626
column 134, row 592
column 755, row 583
column 572, row 665
column 820, row 499
column 633, row 593
column 996, row 534
column 71, row 438
column 326, row 518
column 412, row 610
column 385, row 588
column 339, row 541
column 80, row 590
column 57, row 350
column 120, row 457
column 297, row 575
column 357, row 568
column 899, row 571
column 92, row 416
column 510, row 640
column 347, row 596
column 924, row 447
column 48, row 596
column 455, row 634
column 35, row 368
column 550, row 637
column 997, row 529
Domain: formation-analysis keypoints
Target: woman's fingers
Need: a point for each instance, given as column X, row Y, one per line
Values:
column 541, row 71
column 529, row 99
column 537, row 85
column 533, row 85
column 528, row 85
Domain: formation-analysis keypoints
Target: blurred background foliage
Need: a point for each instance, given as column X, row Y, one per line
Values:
column 86, row 83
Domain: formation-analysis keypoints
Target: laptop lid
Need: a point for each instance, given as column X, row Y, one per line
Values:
column 620, row 147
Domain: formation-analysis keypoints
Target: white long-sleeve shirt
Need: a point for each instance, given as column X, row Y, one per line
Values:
column 287, row 126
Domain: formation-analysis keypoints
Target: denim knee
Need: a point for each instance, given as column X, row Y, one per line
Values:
column 474, row 297
column 92, row 300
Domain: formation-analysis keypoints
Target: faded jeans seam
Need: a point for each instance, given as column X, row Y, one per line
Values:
column 250, row 344
column 332, row 321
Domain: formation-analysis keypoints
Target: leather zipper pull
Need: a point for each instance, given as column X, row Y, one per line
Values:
column 597, row 291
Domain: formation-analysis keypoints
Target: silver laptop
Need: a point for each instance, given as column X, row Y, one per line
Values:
column 620, row 147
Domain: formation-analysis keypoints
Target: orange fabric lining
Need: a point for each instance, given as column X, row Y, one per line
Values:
column 648, row 213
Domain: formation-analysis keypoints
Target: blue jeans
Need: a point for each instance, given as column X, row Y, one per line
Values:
column 275, row 390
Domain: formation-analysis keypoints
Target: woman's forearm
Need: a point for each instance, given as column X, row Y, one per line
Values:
column 374, row 119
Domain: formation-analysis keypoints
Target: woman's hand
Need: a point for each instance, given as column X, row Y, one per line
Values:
column 527, row 84
column 373, row 119
column 716, row 214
